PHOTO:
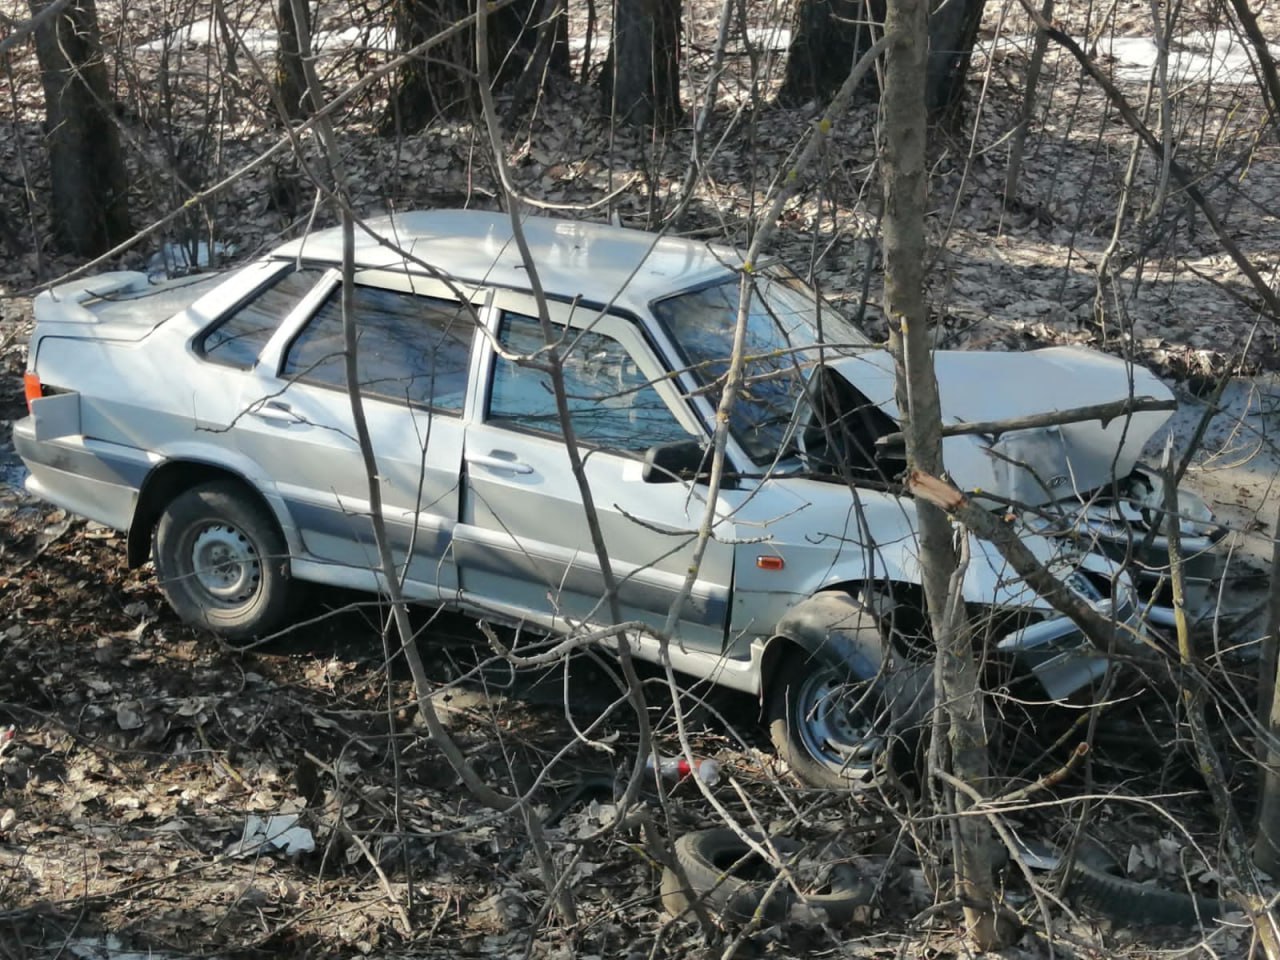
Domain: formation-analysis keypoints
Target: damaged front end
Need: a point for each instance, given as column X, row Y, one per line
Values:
column 1127, row 522
column 1075, row 480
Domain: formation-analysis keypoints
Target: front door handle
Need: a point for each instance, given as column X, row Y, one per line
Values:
column 499, row 460
column 275, row 411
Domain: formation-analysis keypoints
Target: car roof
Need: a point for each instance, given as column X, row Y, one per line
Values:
column 597, row 262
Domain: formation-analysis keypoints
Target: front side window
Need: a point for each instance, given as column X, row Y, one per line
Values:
column 410, row 348
column 239, row 336
column 785, row 325
column 611, row 402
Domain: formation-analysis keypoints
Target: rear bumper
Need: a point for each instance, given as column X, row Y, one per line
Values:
column 92, row 478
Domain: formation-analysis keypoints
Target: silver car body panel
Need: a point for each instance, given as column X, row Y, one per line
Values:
column 486, row 516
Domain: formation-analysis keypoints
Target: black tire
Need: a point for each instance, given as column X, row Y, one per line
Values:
column 831, row 728
column 1135, row 903
column 731, row 880
column 223, row 563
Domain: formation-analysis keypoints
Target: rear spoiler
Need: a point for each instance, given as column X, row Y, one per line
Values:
column 65, row 302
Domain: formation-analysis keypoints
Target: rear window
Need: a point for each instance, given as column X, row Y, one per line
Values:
column 240, row 335
column 412, row 348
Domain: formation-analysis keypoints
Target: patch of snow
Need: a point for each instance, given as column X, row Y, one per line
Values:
column 174, row 259
column 770, row 39
column 259, row 42
column 1197, row 57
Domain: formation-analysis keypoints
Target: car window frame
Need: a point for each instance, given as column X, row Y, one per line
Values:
column 396, row 281
column 273, row 273
column 626, row 330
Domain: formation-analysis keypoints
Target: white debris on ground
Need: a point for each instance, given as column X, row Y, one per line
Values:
column 280, row 833
column 1201, row 56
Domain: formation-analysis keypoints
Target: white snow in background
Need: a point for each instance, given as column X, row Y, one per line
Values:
column 174, row 259
column 1203, row 56
column 1197, row 57
column 260, row 42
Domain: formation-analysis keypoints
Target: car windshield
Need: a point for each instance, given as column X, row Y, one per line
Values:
column 785, row 324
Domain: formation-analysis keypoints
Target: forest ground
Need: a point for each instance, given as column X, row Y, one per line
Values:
column 141, row 748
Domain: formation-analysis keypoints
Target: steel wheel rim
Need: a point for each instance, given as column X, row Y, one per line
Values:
column 833, row 718
column 225, row 564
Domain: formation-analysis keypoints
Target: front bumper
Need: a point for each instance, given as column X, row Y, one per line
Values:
column 1124, row 526
column 1059, row 655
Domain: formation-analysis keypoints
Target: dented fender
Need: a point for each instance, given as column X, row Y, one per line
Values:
column 836, row 630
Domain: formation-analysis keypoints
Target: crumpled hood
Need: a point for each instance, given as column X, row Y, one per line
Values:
column 1037, row 465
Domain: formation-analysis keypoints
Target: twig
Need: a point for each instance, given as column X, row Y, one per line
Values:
column 1244, row 883
column 399, row 608
column 1051, row 779
column 1184, row 178
column 1018, row 555
column 1104, row 412
column 23, row 30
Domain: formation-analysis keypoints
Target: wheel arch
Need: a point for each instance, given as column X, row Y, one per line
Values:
column 836, row 624
column 831, row 626
column 167, row 481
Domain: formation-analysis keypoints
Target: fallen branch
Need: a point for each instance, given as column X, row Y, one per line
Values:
column 1103, row 412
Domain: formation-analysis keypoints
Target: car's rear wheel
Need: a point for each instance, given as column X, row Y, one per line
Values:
column 830, row 726
column 223, row 563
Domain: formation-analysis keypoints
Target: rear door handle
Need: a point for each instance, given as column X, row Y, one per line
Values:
column 275, row 411
column 499, row 460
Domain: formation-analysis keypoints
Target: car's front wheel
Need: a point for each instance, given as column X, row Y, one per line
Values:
column 222, row 562
column 831, row 727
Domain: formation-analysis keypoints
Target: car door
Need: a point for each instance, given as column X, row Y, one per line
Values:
column 523, row 546
column 414, row 355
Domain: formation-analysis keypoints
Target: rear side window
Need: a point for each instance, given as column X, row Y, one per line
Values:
column 240, row 335
column 410, row 348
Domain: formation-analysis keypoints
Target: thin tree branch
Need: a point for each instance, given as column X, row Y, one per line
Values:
column 1185, row 180
column 1104, row 412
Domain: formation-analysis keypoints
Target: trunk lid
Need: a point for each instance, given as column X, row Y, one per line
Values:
column 123, row 305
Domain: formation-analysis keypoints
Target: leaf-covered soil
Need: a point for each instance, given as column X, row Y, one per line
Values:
column 140, row 750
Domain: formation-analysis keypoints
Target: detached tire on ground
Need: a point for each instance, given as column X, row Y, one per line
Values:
column 222, row 561
column 1135, row 903
column 731, row 880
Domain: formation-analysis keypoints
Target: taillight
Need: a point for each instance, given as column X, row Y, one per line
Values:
column 32, row 387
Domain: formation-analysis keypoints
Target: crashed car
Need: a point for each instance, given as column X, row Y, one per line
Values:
column 209, row 418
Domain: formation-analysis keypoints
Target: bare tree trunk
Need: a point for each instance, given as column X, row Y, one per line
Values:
column 1266, row 848
column 903, row 170
column 90, row 185
column 1266, row 62
column 641, row 80
column 1019, row 140
column 829, row 35
column 290, row 78
column 953, row 30
column 443, row 84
